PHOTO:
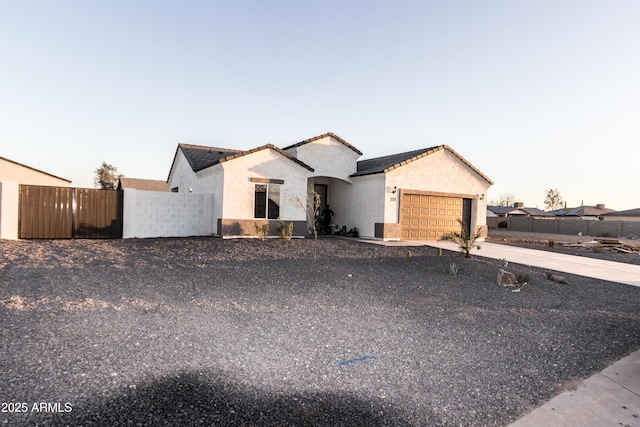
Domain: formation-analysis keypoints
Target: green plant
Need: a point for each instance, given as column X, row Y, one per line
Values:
column 551, row 243
column 408, row 257
column 439, row 251
column 523, row 278
column 285, row 231
column 465, row 240
column 454, row 269
column 261, row 230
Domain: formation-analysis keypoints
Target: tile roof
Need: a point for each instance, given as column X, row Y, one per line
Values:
column 536, row 212
column 387, row 163
column 581, row 211
column 502, row 210
column 315, row 138
column 201, row 157
column 143, row 184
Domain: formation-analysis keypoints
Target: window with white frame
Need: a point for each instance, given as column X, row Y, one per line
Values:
column 267, row 199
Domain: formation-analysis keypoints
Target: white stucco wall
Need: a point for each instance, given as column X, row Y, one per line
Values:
column 206, row 181
column 239, row 191
column 441, row 172
column 13, row 172
column 328, row 157
column 182, row 176
column 361, row 204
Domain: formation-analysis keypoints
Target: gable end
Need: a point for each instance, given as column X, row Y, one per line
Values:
column 328, row 134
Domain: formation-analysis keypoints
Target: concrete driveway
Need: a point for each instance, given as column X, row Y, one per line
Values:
column 628, row 274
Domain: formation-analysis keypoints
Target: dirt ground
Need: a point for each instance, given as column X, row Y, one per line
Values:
column 541, row 241
column 204, row 331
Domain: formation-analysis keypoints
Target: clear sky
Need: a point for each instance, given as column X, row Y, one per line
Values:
column 536, row 94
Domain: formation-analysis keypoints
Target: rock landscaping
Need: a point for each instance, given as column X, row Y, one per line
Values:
column 205, row 331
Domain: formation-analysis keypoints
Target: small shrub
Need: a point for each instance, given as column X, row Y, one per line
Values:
column 551, row 243
column 285, row 231
column 503, row 224
column 454, row 269
column 465, row 241
column 439, row 251
column 597, row 247
column 408, row 257
column 262, row 231
column 504, row 262
column 523, row 278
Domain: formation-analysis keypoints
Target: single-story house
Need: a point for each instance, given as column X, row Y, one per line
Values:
column 518, row 209
column 582, row 212
column 142, row 184
column 626, row 215
column 420, row 194
column 11, row 171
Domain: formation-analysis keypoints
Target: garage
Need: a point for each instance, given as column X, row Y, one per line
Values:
column 431, row 216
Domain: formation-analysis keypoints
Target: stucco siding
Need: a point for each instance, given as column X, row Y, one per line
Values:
column 13, row 172
column 207, row 181
column 182, row 175
column 327, row 157
column 363, row 202
column 268, row 164
column 442, row 173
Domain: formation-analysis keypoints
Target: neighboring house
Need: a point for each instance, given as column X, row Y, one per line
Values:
column 414, row 195
column 142, row 184
column 16, row 172
column 582, row 212
column 517, row 209
column 628, row 215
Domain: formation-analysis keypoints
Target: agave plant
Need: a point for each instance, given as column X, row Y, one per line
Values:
column 465, row 240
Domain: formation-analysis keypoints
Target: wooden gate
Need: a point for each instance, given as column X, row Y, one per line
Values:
column 67, row 213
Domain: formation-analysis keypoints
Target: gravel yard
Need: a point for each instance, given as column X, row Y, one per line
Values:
column 205, row 331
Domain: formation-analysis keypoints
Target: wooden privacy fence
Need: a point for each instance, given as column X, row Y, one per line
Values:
column 66, row 213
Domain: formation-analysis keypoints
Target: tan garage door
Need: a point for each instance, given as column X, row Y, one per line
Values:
column 426, row 217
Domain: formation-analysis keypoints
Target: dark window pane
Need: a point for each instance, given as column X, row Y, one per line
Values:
column 274, row 201
column 260, row 209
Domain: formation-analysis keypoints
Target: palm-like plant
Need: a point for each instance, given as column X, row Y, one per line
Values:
column 465, row 240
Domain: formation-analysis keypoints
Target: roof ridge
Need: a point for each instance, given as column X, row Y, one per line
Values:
column 263, row 147
column 404, row 152
column 207, row 147
column 403, row 159
column 324, row 135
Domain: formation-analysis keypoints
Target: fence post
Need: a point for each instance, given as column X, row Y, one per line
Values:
column 129, row 214
column 9, row 216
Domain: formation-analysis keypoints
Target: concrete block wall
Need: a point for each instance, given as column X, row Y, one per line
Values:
column 614, row 229
column 9, row 202
column 156, row 214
